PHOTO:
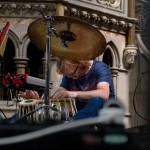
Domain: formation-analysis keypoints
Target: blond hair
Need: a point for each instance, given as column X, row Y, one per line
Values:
column 61, row 62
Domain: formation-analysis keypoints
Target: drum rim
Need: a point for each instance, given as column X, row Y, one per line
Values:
column 28, row 102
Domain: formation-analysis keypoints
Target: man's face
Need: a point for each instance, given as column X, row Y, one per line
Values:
column 74, row 71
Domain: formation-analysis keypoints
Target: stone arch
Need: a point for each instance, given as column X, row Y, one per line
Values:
column 25, row 45
column 112, row 58
column 9, row 54
column 34, row 55
column 15, row 39
column 112, row 54
column 11, row 51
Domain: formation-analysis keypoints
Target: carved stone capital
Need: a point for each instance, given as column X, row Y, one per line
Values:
column 112, row 3
column 129, row 55
column 20, row 62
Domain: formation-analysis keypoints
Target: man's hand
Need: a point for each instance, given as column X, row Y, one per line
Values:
column 29, row 94
column 64, row 94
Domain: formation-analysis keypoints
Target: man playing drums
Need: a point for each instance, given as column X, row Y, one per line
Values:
column 89, row 82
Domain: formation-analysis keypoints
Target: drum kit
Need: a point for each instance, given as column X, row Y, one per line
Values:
column 63, row 37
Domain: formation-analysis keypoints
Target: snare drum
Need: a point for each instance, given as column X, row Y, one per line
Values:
column 60, row 109
column 27, row 106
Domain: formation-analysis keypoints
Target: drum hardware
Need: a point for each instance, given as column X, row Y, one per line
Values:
column 31, row 113
column 65, row 107
column 33, row 110
column 49, row 30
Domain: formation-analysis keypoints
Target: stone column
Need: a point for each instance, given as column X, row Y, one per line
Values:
column 21, row 65
column 114, row 77
column 129, row 54
column 130, row 50
column 131, row 13
column 60, row 9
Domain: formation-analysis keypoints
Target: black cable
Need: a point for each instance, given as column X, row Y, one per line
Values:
column 3, row 113
column 138, row 83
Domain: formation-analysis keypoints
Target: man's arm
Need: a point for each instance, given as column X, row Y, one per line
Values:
column 101, row 91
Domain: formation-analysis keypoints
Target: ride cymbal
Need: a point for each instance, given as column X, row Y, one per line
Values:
column 83, row 42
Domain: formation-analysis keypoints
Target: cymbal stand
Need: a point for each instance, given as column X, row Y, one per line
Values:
column 49, row 29
column 64, row 43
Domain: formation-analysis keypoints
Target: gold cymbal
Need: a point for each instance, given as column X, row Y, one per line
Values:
column 84, row 41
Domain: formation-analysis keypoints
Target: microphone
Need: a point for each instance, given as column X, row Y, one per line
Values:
column 33, row 81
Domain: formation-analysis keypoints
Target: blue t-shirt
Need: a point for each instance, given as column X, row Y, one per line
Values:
column 99, row 72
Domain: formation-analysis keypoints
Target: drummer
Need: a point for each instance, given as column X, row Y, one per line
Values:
column 89, row 82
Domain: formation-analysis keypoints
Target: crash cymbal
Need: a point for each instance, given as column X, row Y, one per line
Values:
column 84, row 41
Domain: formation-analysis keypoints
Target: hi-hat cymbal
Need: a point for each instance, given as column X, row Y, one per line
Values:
column 84, row 41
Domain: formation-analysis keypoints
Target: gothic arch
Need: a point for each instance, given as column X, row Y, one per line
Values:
column 25, row 45
column 111, row 55
column 15, row 39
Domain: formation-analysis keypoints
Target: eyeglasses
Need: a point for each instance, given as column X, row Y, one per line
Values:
column 74, row 71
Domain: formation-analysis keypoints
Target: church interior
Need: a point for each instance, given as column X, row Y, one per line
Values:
column 33, row 33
